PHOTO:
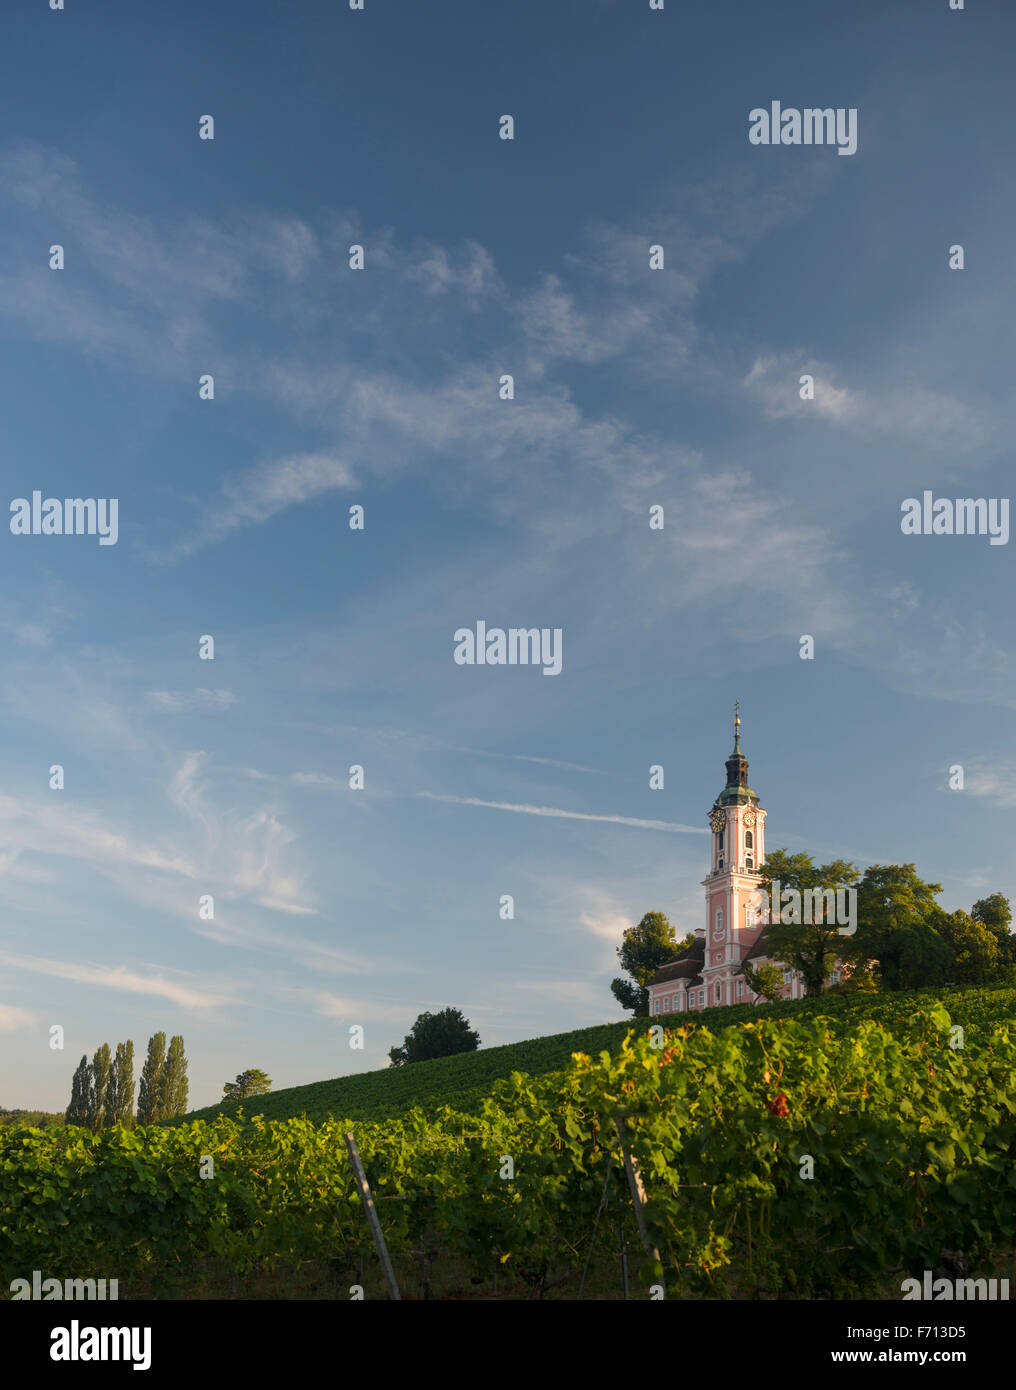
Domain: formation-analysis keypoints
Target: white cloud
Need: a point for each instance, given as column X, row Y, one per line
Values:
column 472, row 273
column 79, row 834
column 179, row 701
column 252, row 498
column 565, row 815
column 913, row 412
column 243, row 855
column 989, row 779
column 359, row 1010
column 117, row 977
column 11, row 1019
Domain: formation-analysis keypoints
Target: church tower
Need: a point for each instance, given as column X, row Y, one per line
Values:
column 733, row 920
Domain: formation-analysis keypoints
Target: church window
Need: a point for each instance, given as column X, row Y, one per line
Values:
column 666, row 1003
column 740, row 988
column 750, row 861
column 719, row 919
column 719, row 994
column 749, row 840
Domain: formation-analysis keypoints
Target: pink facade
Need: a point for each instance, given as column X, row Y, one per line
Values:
column 708, row 974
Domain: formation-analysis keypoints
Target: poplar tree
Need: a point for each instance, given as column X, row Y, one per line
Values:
column 77, row 1111
column 173, row 1082
column 120, row 1105
column 151, row 1076
column 98, row 1090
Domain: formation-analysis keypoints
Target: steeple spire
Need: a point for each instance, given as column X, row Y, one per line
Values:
column 737, row 789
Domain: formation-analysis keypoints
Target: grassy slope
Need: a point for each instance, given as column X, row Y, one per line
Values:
column 463, row 1081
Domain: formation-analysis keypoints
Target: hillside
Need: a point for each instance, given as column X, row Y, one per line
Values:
column 464, row 1080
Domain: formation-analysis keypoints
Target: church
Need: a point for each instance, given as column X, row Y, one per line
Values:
column 709, row 975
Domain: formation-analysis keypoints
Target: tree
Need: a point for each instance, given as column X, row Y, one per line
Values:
column 151, row 1073
column 173, row 1081
column 444, row 1034
column 644, row 948
column 120, row 1099
column 811, row 948
column 77, row 1111
column 996, row 914
column 97, row 1091
column 896, row 912
column 765, row 979
column 977, row 953
column 252, row 1082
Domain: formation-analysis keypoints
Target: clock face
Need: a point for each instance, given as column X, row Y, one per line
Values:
column 749, row 818
column 718, row 820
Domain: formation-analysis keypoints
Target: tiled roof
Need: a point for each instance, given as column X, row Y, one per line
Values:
column 688, row 964
column 758, row 950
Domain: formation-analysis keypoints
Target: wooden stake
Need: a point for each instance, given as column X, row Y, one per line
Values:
column 375, row 1225
column 638, row 1192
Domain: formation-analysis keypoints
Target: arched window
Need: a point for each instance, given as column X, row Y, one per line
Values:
column 719, row 994
column 749, row 840
column 749, row 862
column 719, row 919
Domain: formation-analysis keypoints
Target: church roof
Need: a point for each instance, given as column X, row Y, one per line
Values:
column 760, row 948
column 684, row 967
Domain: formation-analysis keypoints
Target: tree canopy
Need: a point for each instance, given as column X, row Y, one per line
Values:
column 896, row 915
column 252, row 1082
column 809, row 948
column 442, row 1034
column 644, row 948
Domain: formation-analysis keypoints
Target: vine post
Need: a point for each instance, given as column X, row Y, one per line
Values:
column 367, row 1199
column 638, row 1192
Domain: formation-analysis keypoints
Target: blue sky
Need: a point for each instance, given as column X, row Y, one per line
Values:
column 334, row 387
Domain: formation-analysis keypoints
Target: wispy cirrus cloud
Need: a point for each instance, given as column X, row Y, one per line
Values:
column 11, row 1018
column 48, row 829
column 119, row 977
column 241, row 855
column 254, row 497
column 992, row 778
column 184, row 701
column 915, row 413
column 565, row 815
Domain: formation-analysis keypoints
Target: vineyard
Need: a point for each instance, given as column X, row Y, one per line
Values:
column 820, row 1154
column 465, row 1080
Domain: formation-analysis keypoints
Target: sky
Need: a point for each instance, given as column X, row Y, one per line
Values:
column 338, row 908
